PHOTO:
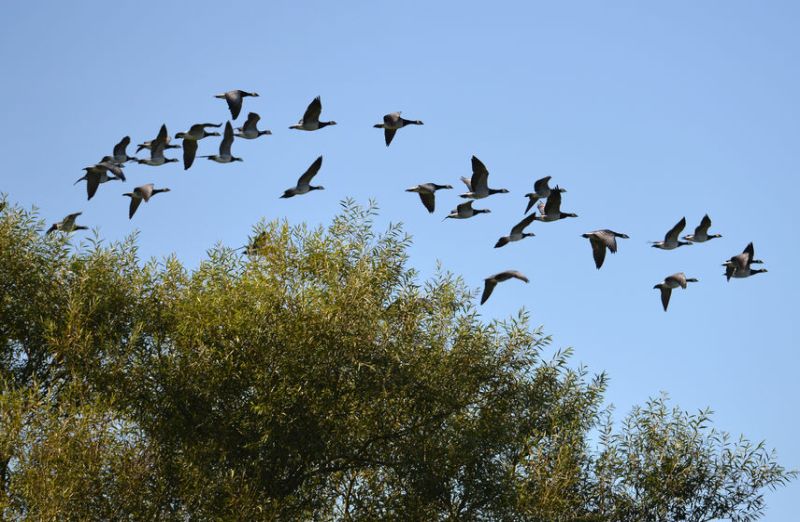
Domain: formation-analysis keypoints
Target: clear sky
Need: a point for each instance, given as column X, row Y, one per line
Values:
column 645, row 113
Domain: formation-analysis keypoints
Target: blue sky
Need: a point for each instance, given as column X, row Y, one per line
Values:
column 645, row 113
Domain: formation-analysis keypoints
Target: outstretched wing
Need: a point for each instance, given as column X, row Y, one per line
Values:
column 666, row 292
column 134, row 205
column 119, row 148
column 429, row 200
column 480, row 176
column 519, row 227
column 309, row 174
column 675, row 231
column 388, row 135
column 553, row 205
column 313, row 111
column 234, row 99
column 227, row 140
column 189, row 152
column 598, row 250
column 488, row 288
column 702, row 229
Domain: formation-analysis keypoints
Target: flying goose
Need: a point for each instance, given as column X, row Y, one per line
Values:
column 701, row 234
column 162, row 137
column 551, row 211
column 541, row 189
column 100, row 173
column 490, row 282
column 465, row 210
column 602, row 240
column 157, row 147
column 303, row 184
column 391, row 123
column 671, row 240
column 120, row 155
column 67, row 224
column 196, row 132
column 517, row 233
column 145, row 192
column 224, row 155
column 478, row 186
column 310, row 120
column 249, row 130
column 427, row 192
column 234, row 99
column 738, row 266
column 670, row 282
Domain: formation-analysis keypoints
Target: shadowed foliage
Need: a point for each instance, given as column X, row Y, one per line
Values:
column 316, row 378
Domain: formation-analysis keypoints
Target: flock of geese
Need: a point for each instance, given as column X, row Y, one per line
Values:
column 546, row 199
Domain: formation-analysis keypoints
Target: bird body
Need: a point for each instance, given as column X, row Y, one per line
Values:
column 465, row 210
column 310, row 120
column 670, row 282
column 602, row 240
column 249, row 130
column 490, row 282
column 478, row 185
column 234, row 99
column 304, row 182
column 427, row 192
column 671, row 240
column 392, row 122
column 144, row 192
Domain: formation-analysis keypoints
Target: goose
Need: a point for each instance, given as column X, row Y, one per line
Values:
column 602, row 240
column 145, row 192
column 517, row 232
column 701, row 234
column 310, row 120
column 107, row 162
column 162, row 137
column 465, row 210
column 541, row 189
column 738, row 266
column 224, row 155
column 478, row 186
column 67, row 224
column 249, row 130
column 234, row 99
column 196, row 133
column 97, row 174
column 391, row 123
column 670, row 282
column 671, row 240
column 303, row 183
column 157, row 147
column 551, row 211
column 490, row 282
column 120, row 155
column 427, row 192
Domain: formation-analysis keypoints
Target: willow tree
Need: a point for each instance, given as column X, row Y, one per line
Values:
column 313, row 376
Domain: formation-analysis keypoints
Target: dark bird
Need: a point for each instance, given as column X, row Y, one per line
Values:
column 465, row 210
column 157, row 147
column 234, row 99
column 249, row 130
column 120, row 155
column 196, row 133
column 391, row 123
column 303, row 183
column 224, row 155
column 551, row 211
column 671, row 240
column 427, row 192
column 100, row 173
column 738, row 266
column 67, row 224
column 310, row 120
column 162, row 138
column 602, row 240
column 145, row 192
column 517, row 232
column 701, row 234
column 541, row 189
column 490, row 282
column 670, row 282
column 478, row 185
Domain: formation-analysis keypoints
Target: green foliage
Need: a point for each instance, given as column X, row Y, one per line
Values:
column 313, row 377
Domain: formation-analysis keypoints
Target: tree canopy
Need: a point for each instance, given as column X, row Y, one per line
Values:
column 313, row 376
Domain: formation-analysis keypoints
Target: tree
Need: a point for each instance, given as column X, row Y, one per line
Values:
column 314, row 377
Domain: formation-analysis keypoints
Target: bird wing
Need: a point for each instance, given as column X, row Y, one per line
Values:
column 515, row 274
column 234, row 99
column 519, row 227
column 119, row 148
column 750, row 251
column 313, row 111
column 135, row 202
column 309, row 174
column 480, row 176
column 464, row 206
column 429, row 200
column 598, row 250
column 467, row 182
column 532, row 199
column 391, row 119
column 666, row 292
column 702, row 229
column 252, row 122
column 541, row 185
column 189, row 152
column 553, row 205
column 92, row 182
column 675, row 231
column 679, row 279
column 227, row 140
column 608, row 238
column 388, row 135
column 488, row 288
